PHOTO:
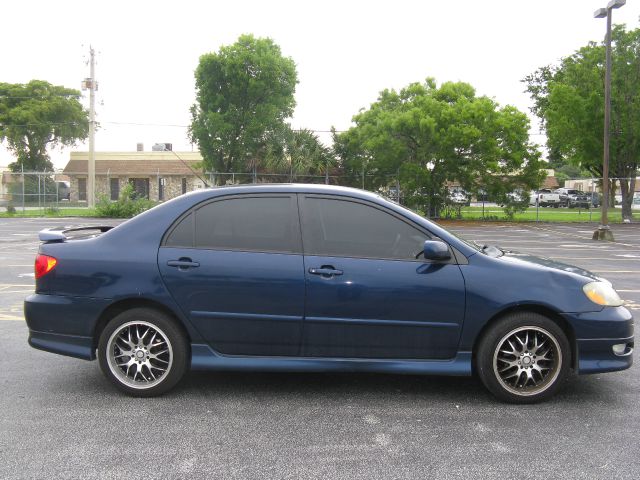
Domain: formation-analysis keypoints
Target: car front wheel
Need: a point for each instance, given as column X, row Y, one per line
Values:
column 143, row 352
column 523, row 358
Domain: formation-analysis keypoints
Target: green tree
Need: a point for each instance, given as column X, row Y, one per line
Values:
column 569, row 100
column 244, row 93
column 301, row 154
column 36, row 117
column 432, row 137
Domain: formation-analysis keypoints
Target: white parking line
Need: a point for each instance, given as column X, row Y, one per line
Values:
column 615, row 271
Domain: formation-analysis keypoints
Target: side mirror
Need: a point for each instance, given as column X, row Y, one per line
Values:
column 436, row 250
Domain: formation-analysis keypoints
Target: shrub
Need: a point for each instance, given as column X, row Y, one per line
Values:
column 127, row 206
column 11, row 209
column 52, row 211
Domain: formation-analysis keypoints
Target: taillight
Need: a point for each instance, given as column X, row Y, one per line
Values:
column 44, row 264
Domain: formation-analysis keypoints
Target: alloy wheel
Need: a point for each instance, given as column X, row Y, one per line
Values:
column 139, row 354
column 527, row 360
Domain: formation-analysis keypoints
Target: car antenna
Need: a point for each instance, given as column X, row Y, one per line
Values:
column 206, row 184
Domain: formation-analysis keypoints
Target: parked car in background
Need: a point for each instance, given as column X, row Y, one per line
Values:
column 594, row 197
column 573, row 198
column 517, row 196
column 459, row 197
column 544, row 198
column 316, row 278
column 64, row 190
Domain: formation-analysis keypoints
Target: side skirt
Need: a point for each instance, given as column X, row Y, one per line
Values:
column 204, row 358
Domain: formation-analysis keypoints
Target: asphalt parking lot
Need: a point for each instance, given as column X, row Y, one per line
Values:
column 59, row 418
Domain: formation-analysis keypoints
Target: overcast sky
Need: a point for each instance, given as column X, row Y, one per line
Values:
column 345, row 52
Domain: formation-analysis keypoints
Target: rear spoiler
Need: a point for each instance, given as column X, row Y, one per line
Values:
column 59, row 234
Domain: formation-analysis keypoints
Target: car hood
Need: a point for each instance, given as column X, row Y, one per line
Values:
column 515, row 256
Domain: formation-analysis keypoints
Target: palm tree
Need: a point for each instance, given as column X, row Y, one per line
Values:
column 302, row 155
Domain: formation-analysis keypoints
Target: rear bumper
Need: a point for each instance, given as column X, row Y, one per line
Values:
column 63, row 325
column 597, row 335
column 70, row 345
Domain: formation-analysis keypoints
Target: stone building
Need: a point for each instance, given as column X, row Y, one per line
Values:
column 157, row 176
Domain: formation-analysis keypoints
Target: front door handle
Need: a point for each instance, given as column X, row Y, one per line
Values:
column 325, row 271
column 183, row 263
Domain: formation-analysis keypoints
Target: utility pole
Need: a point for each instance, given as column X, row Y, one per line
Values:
column 603, row 232
column 91, row 85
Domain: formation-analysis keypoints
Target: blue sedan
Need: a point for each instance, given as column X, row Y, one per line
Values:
column 316, row 278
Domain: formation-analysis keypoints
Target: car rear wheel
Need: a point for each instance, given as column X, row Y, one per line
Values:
column 143, row 352
column 523, row 358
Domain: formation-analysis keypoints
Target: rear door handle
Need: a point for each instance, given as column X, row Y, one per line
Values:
column 325, row 271
column 183, row 263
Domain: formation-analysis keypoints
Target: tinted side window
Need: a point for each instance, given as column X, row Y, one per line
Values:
column 249, row 223
column 182, row 234
column 349, row 229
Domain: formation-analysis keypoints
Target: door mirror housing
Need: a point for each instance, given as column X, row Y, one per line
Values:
column 436, row 250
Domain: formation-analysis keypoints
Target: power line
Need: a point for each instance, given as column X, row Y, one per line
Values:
column 43, row 96
column 146, row 124
column 176, row 125
column 35, row 124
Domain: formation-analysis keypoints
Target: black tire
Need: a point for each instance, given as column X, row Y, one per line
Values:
column 521, row 377
column 158, row 355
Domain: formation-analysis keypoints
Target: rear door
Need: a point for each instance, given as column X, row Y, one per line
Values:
column 234, row 266
column 367, row 294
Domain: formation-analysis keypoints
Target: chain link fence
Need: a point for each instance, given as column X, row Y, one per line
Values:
column 54, row 191
column 35, row 190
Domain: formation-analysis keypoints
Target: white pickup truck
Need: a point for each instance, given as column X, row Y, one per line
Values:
column 544, row 198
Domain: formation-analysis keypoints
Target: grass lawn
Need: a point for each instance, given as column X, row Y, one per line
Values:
column 492, row 213
column 50, row 212
column 544, row 214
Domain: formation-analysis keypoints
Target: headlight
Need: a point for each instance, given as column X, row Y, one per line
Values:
column 602, row 294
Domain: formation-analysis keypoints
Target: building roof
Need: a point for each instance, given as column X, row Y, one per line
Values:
column 7, row 177
column 550, row 182
column 135, row 163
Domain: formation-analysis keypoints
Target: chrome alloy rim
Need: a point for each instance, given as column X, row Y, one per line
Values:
column 527, row 361
column 139, row 354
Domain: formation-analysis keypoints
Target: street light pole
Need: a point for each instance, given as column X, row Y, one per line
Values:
column 91, row 85
column 603, row 232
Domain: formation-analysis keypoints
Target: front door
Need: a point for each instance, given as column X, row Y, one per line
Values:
column 367, row 294
column 235, row 268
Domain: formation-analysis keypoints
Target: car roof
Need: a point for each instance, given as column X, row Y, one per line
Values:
column 149, row 226
column 282, row 188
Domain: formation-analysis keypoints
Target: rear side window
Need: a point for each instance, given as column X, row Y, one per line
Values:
column 182, row 234
column 334, row 227
column 268, row 223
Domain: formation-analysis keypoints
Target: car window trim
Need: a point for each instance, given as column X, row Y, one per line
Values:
column 295, row 233
column 430, row 235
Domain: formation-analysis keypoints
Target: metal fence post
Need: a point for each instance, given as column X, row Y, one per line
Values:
column 23, row 189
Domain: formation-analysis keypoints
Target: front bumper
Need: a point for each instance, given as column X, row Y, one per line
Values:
column 596, row 335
